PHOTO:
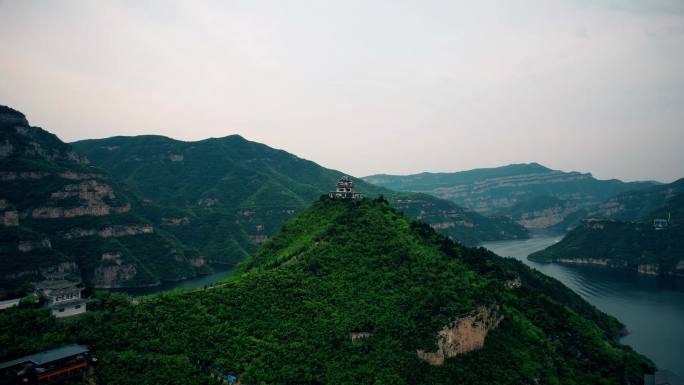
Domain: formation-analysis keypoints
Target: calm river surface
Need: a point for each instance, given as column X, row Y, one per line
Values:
column 652, row 308
column 192, row 283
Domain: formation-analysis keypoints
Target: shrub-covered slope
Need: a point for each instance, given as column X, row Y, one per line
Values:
column 225, row 196
column 638, row 204
column 635, row 245
column 533, row 195
column 351, row 292
column 58, row 214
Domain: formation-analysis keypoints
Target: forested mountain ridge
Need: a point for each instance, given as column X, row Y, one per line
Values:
column 651, row 243
column 533, row 195
column 61, row 215
column 351, row 292
column 230, row 194
column 638, row 204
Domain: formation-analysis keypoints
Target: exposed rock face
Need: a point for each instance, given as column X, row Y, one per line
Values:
column 175, row 221
column 533, row 195
column 44, row 185
column 463, row 335
column 10, row 218
column 113, row 257
column 113, row 276
column 60, row 269
column 7, row 176
column 442, row 225
column 109, row 231
column 680, row 265
column 26, row 246
column 60, row 212
column 585, row 261
column 542, row 219
column 80, row 175
column 91, row 192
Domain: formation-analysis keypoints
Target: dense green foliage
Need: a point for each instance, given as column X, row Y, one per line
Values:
column 58, row 213
column 633, row 245
column 209, row 201
column 340, row 267
column 518, row 191
column 639, row 205
column 233, row 191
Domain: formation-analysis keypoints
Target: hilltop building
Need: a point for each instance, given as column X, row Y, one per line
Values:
column 345, row 190
column 63, row 297
column 67, row 363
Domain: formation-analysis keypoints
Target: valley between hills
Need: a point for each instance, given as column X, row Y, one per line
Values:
column 325, row 289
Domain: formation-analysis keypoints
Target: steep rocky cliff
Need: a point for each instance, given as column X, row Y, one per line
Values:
column 652, row 244
column 57, row 209
column 533, row 195
column 226, row 196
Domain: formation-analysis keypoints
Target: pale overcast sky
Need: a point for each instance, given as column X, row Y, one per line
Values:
column 364, row 86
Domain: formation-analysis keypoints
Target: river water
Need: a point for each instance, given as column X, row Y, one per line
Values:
column 192, row 283
column 652, row 308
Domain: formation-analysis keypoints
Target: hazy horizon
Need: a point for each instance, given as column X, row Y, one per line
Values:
column 365, row 87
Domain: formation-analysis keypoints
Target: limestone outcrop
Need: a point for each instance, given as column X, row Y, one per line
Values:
column 464, row 334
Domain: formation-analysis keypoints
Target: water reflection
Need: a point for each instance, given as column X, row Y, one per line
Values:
column 651, row 307
column 192, row 283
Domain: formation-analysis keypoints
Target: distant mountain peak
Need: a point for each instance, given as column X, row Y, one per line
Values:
column 9, row 115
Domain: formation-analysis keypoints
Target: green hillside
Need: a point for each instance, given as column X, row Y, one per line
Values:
column 224, row 196
column 637, row 204
column 636, row 245
column 60, row 215
column 350, row 292
column 532, row 195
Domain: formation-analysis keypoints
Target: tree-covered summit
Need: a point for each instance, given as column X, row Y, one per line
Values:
column 353, row 292
column 230, row 194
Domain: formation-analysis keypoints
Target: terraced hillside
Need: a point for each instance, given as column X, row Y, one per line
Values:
column 225, row 196
column 533, row 195
column 60, row 215
column 651, row 243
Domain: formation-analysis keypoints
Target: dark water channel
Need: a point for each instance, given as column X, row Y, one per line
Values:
column 651, row 307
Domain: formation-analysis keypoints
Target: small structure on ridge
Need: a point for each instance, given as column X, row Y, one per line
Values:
column 345, row 190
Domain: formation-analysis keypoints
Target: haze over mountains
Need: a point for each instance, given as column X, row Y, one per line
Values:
column 533, row 195
column 61, row 215
column 132, row 211
column 628, row 235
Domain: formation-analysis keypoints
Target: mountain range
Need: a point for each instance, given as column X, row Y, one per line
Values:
column 230, row 194
column 135, row 211
column 639, row 230
column 62, row 216
column 534, row 196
